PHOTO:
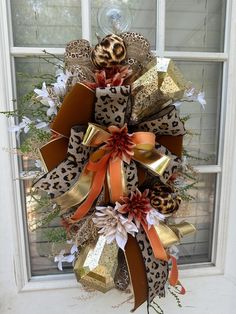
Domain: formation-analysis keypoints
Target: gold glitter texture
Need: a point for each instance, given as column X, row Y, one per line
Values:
column 161, row 84
column 96, row 265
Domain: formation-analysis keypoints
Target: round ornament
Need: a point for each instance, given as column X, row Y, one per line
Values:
column 164, row 199
column 111, row 51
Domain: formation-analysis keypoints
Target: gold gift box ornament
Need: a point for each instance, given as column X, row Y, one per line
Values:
column 96, row 265
column 159, row 86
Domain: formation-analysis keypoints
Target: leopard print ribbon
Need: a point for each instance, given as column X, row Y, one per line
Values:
column 157, row 270
column 165, row 122
column 112, row 105
column 59, row 180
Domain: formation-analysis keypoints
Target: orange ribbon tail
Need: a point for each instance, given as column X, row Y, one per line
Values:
column 116, row 179
column 99, row 168
column 174, row 274
column 157, row 247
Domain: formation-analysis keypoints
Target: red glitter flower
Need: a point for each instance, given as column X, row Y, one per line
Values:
column 114, row 76
column 137, row 206
column 120, row 143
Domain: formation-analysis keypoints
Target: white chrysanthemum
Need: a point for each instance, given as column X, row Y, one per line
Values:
column 113, row 225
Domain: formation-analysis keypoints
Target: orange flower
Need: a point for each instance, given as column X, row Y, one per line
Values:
column 114, row 76
column 120, row 143
column 136, row 206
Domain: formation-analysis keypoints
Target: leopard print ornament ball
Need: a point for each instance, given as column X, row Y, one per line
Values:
column 109, row 52
column 164, row 199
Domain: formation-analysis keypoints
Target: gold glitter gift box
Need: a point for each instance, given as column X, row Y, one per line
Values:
column 159, row 86
column 96, row 265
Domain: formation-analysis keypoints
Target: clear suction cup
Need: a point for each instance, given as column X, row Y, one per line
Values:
column 114, row 17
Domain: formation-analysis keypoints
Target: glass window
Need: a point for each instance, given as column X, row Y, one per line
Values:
column 143, row 18
column 200, row 212
column 203, row 124
column 42, row 23
column 195, row 25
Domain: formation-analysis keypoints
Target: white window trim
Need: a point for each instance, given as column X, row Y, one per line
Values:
column 228, row 147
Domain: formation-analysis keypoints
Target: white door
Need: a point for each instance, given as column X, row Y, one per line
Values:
column 201, row 36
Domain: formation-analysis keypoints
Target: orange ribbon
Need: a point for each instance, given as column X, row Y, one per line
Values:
column 160, row 253
column 102, row 162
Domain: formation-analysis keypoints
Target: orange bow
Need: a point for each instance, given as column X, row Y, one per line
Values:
column 108, row 160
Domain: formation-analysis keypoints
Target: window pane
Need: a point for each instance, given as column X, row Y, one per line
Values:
column 143, row 18
column 195, row 25
column 203, row 124
column 42, row 23
column 28, row 72
column 200, row 212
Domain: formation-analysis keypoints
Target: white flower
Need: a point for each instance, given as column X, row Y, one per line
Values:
column 23, row 125
column 29, row 175
column 153, row 217
column 52, row 110
column 38, row 164
column 45, row 99
column 201, row 99
column 63, row 257
column 114, row 226
column 174, row 251
column 190, row 92
column 193, row 95
column 177, row 104
column 41, row 124
column 60, row 86
column 43, row 92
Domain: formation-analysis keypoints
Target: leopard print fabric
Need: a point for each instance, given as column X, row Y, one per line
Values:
column 78, row 52
column 78, row 63
column 157, row 270
column 174, row 164
column 165, row 122
column 137, row 46
column 62, row 178
column 109, row 52
column 131, row 176
column 112, row 104
column 164, row 199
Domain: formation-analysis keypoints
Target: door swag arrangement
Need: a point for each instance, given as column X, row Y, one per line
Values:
column 113, row 163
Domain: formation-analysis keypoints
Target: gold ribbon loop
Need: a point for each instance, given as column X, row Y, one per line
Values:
column 172, row 234
column 95, row 135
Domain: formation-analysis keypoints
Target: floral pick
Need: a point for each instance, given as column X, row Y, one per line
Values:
column 113, row 225
column 25, row 125
column 138, row 208
column 63, row 257
column 114, row 76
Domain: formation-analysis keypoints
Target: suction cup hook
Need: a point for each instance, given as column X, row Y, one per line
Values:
column 114, row 17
